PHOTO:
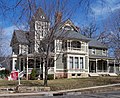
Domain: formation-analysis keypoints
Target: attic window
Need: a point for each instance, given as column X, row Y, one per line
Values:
column 42, row 17
column 68, row 28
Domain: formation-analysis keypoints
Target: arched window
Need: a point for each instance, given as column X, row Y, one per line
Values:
column 75, row 44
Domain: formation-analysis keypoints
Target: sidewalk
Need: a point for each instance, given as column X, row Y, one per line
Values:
column 61, row 92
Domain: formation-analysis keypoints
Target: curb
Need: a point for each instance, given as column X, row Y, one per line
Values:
column 58, row 93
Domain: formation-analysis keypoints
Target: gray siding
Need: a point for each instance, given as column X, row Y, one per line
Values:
column 59, row 62
column 98, row 52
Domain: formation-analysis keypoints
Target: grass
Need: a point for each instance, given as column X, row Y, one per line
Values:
column 63, row 84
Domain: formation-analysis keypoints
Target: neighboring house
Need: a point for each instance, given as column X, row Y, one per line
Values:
column 77, row 56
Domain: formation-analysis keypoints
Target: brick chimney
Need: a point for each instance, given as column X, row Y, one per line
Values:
column 58, row 17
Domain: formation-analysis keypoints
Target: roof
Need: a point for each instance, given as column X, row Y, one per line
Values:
column 38, row 14
column 101, row 57
column 21, row 36
column 69, row 34
column 97, row 44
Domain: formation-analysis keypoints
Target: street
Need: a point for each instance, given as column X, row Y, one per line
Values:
column 112, row 94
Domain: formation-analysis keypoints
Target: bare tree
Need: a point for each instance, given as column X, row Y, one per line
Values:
column 90, row 31
column 111, row 34
column 2, row 37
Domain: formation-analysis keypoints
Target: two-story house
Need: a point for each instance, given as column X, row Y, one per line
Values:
column 74, row 55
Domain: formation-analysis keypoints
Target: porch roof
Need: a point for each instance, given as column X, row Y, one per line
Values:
column 35, row 54
column 100, row 57
column 97, row 44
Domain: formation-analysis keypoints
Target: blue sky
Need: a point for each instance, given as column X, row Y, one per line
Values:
column 98, row 13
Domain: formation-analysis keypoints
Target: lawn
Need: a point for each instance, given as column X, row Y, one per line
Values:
column 62, row 84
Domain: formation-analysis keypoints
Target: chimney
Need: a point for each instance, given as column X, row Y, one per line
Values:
column 58, row 17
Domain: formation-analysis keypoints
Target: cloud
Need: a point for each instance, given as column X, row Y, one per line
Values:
column 9, row 30
column 105, row 9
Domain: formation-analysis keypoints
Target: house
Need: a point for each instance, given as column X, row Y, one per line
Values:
column 77, row 56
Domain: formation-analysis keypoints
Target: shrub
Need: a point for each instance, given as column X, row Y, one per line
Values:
column 50, row 76
column 33, row 74
column 4, row 73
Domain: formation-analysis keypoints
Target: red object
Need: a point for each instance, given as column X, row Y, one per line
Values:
column 14, row 75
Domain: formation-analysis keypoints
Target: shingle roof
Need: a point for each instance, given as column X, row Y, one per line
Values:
column 21, row 36
column 97, row 44
column 69, row 34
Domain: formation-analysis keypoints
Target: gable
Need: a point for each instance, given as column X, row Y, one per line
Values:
column 40, row 16
column 68, row 25
column 19, row 36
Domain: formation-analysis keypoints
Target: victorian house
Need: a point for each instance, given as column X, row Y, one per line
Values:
column 74, row 56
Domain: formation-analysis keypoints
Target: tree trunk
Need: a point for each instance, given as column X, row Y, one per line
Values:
column 46, row 73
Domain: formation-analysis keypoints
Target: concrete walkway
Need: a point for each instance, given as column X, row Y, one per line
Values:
column 61, row 92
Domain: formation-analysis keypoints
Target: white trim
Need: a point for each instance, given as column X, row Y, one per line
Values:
column 27, row 69
column 79, row 69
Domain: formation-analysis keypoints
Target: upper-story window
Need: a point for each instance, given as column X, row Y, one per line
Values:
column 93, row 51
column 58, row 45
column 104, row 51
column 75, row 44
column 38, row 25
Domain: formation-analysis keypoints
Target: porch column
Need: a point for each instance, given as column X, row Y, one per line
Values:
column 114, row 67
column 108, row 66
column 88, row 64
column 39, row 77
column 19, row 64
column 43, row 69
column 96, row 65
column 54, row 65
column 24, row 64
column 27, row 69
column 13, row 64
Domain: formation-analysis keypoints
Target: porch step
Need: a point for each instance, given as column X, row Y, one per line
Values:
column 93, row 75
column 113, row 74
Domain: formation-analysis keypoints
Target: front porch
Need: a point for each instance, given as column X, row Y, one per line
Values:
column 25, row 64
column 103, row 66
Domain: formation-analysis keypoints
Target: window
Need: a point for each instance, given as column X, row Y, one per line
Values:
column 76, row 63
column 68, row 28
column 75, row 44
column 73, row 74
column 42, row 17
column 78, row 74
column 93, row 51
column 104, row 52
column 81, row 63
column 38, row 25
column 59, row 45
column 71, row 62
